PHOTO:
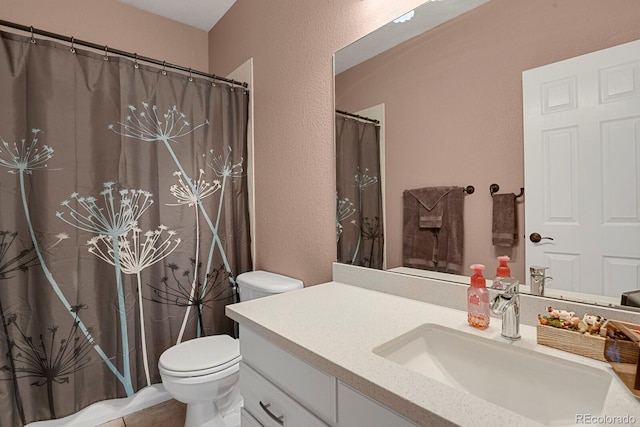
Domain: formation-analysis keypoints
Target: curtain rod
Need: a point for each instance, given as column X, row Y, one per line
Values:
column 358, row 117
column 107, row 49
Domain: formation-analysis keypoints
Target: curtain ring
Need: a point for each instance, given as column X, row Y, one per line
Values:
column 73, row 49
column 33, row 39
column 135, row 61
column 190, row 78
column 106, row 53
column 164, row 70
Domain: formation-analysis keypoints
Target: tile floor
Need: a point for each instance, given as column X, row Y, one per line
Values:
column 167, row 414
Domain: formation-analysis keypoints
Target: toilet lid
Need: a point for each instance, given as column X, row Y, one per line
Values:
column 201, row 356
column 268, row 282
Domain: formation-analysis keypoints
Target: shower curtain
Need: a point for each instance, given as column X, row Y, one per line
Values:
column 358, row 195
column 123, row 222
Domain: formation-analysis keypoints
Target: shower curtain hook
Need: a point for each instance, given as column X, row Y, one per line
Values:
column 33, row 40
column 190, row 78
column 73, row 49
column 164, row 70
column 213, row 80
column 135, row 61
column 106, row 53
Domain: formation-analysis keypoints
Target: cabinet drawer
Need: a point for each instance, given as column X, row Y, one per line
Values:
column 356, row 409
column 247, row 420
column 312, row 388
column 270, row 406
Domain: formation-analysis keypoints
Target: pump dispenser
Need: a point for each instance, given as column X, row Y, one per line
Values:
column 503, row 272
column 478, row 299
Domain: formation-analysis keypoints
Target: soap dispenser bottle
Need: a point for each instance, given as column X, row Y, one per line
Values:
column 503, row 272
column 478, row 299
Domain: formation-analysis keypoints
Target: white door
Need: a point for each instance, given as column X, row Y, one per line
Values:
column 582, row 170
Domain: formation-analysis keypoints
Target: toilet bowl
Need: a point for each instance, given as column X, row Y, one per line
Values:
column 203, row 372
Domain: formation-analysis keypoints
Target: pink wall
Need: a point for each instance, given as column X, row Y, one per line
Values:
column 292, row 43
column 453, row 103
column 114, row 24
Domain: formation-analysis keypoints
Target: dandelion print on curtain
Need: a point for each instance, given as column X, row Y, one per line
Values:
column 123, row 224
column 358, row 194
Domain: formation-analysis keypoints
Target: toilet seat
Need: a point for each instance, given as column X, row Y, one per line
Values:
column 200, row 356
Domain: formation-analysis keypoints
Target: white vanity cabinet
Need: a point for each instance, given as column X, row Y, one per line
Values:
column 280, row 389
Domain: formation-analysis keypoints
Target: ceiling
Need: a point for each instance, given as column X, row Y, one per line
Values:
column 202, row 14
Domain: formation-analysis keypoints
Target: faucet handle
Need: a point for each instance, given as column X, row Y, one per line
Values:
column 505, row 285
column 510, row 286
column 505, row 297
column 536, row 270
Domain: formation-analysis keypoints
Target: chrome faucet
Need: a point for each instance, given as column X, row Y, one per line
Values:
column 507, row 304
column 538, row 279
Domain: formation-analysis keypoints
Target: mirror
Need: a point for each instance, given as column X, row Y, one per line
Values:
column 451, row 103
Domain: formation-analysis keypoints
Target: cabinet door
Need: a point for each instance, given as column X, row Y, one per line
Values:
column 269, row 405
column 355, row 409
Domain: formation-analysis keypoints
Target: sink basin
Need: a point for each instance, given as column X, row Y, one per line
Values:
column 544, row 388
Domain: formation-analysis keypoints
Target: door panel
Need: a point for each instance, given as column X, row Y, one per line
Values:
column 582, row 170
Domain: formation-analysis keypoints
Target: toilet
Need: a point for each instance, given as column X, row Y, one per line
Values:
column 203, row 372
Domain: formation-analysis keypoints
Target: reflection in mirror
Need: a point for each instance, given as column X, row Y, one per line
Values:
column 359, row 225
column 453, row 109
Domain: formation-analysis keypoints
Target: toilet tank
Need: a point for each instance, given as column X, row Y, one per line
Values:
column 258, row 284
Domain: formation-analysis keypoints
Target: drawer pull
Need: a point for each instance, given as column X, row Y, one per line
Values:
column 265, row 408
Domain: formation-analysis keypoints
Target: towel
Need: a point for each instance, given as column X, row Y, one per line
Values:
column 504, row 228
column 430, row 209
column 435, row 248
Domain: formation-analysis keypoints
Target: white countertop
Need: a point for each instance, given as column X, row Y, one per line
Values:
column 335, row 326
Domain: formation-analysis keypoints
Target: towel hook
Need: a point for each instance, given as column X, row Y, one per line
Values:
column 521, row 193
